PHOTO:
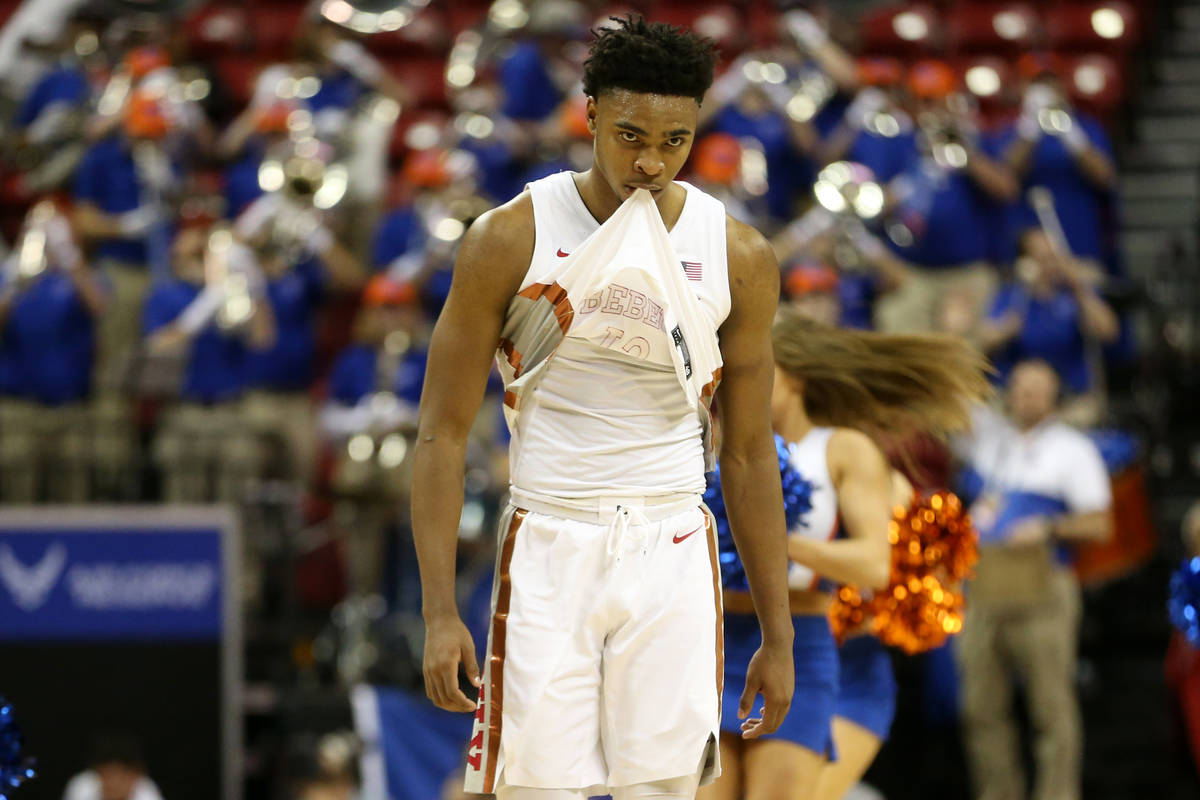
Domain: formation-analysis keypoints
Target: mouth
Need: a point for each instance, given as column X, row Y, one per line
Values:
column 630, row 188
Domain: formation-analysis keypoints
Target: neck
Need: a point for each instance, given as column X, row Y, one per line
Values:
column 1025, row 426
column 795, row 423
column 602, row 202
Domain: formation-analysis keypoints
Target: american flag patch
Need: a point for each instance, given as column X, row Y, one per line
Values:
column 692, row 270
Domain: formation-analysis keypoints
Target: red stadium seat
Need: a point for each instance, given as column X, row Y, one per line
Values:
column 215, row 30
column 1095, row 83
column 766, row 28
column 238, row 73
column 1010, row 27
column 989, row 79
column 718, row 21
column 1110, row 26
column 275, row 28
column 7, row 9
column 428, row 120
column 463, row 14
column 429, row 32
column 423, row 75
column 909, row 30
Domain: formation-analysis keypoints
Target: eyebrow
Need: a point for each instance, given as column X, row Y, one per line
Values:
column 629, row 126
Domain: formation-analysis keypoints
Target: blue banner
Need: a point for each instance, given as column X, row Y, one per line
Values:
column 110, row 582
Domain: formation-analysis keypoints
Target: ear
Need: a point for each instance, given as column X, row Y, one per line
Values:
column 591, row 115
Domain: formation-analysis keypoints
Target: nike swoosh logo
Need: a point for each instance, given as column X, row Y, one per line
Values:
column 678, row 539
column 561, row 254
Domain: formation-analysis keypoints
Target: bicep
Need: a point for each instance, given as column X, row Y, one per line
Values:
column 1089, row 488
column 748, row 370
column 466, row 335
column 864, row 486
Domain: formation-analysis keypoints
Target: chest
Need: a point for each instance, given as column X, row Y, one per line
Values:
column 1031, row 463
column 808, row 459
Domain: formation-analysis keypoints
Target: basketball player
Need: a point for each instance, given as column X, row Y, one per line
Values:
column 832, row 388
column 605, row 654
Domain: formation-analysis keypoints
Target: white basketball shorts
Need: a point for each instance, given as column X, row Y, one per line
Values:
column 604, row 660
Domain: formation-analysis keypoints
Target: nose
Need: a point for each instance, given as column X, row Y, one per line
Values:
column 649, row 164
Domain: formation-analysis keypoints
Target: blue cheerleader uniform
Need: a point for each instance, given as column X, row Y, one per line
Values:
column 810, row 504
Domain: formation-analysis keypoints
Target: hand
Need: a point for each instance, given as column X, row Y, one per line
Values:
column 1034, row 530
column 138, row 222
column 447, row 644
column 772, row 674
column 1074, row 137
column 867, row 102
column 805, row 29
column 166, row 341
column 1028, row 127
column 1038, row 97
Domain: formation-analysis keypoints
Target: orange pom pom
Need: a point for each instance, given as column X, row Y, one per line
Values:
column 934, row 547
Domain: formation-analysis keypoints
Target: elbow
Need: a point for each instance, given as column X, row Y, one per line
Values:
column 879, row 573
column 881, row 577
column 1105, row 529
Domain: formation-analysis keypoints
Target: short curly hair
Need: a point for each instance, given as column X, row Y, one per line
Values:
column 650, row 57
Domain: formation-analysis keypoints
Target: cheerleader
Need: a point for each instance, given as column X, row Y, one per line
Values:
column 833, row 388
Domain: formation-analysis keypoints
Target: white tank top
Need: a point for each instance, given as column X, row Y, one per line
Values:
column 809, row 458
column 599, row 424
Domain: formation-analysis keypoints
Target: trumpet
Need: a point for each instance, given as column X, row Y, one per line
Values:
column 46, row 243
column 943, row 139
column 230, row 268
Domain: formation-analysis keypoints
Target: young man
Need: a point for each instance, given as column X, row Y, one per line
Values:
column 605, row 649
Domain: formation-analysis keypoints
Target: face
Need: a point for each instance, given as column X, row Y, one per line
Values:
column 786, row 392
column 1032, row 394
column 642, row 140
column 188, row 254
column 116, row 781
column 1039, row 263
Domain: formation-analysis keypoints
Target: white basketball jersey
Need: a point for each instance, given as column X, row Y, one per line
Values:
column 599, row 424
column 808, row 457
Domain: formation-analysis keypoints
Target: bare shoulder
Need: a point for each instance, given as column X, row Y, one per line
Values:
column 497, row 248
column 753, row 274
column 852, row 450
column 751, row 259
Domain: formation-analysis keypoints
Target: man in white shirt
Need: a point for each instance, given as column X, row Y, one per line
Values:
column 1043, row 486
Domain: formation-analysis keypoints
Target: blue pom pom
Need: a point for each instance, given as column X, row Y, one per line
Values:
column 797, row 501
column 15, row 769
column 1183, row 600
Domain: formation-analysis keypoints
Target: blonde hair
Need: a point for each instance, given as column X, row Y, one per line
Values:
column 888, row 385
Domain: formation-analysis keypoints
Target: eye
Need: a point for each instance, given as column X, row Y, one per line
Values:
column 675, row 141
column 626, row 136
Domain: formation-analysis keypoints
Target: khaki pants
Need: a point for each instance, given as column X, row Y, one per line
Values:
column 1033, row 638
column 281, row 428
column 119, row 328
column 44, row 452
column 371, row 497
column 200, row 454
column 952, row 300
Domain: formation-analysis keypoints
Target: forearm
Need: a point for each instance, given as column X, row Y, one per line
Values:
column 838, row 65
column 437, row 499
column 891, row 270
column 992, row 336
column 858, row 562
column 1094, row 526
column 837, row 144
column 1020, row 156
column 993, row 178
column 92, row 223
column 93, row 296
column 1096, row 318
column 345, row 270
column 1096, row 167
column 754, row 503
